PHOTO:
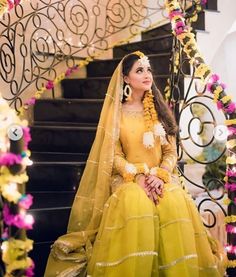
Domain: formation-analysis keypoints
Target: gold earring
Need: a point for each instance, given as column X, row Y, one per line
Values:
column 127, row 92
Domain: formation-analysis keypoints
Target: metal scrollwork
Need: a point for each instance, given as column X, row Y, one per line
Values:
column 197, row 117
column 39, row 36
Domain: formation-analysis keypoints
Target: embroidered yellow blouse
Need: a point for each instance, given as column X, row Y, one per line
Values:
column 130, row 146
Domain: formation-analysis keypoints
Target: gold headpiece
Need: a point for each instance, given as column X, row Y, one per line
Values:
column 144, row 61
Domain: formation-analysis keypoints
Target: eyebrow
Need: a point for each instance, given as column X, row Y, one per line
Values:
column 141, row 67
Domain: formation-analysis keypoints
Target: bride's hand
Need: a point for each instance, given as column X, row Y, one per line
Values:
column 155, row 186
column 141, row 181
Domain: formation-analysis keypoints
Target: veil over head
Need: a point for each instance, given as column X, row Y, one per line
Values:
column 70, row 252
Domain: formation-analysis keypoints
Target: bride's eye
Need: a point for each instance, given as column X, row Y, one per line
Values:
column 139, row 70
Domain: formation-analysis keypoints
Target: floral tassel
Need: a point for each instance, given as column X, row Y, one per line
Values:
column 160, row 131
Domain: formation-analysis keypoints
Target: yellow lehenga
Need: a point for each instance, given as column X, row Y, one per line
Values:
column 114, row 229
column 138, row 238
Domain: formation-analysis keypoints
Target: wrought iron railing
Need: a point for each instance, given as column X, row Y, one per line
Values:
column 38, row 37
column 195, row 106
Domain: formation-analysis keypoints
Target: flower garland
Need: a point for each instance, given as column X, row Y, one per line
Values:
column 133, row 169
column 14, row 251
column 199, row 6
column 7, row 5
column 217, row 88
column 153, row 127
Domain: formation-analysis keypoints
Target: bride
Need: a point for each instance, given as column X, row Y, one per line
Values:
column 129, row 217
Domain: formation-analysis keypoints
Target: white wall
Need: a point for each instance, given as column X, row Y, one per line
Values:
column 224, row 63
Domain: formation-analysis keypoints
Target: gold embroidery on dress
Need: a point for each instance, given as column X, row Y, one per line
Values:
column 130, row 218
column 100, row 210
column 110, row 96
column 187, row 257
column 133, row 113
column 91, row 161
column 173, row 188
column 72, row 272
column 211, row 267
column 106, row 173
column 136, row 254
column 176, row 220
column 80, row 196
column 200, row 233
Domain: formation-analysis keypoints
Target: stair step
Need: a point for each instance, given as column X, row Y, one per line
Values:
column 52, row 199
column 155, row 45
column 96, row 87
column 101, row 68
column 62, row 139
column 49, row 223
column 58, row 157
column 200, row 23
column 212, row 5
column 159, row 31
column 64, row 110
column 54, row 177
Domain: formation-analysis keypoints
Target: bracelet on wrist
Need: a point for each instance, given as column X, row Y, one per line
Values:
column 161, row 173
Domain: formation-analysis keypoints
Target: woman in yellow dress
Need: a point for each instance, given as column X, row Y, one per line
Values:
column 130, row 217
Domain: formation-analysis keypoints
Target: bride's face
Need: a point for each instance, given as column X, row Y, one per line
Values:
column 140, row 77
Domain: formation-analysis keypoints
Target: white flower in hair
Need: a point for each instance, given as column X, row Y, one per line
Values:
column 130, row 168
column 160, row 131
column 148, row 139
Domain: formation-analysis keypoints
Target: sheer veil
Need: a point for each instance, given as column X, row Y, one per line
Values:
column 70, row 252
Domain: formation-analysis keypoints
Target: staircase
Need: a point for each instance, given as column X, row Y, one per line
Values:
column 64, row 129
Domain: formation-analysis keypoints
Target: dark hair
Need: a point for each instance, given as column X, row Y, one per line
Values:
column 165, row 115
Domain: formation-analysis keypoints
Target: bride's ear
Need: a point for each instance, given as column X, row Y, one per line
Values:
column 126, row 79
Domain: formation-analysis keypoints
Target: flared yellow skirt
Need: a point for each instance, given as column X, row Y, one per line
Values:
column 138, row 239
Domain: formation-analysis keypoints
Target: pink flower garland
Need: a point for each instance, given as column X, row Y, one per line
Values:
column 232, row 131
column 18, row 220
column 27, row 137
column 9, row 159
column 231, row 229
column 230, row 248
column 230, row 186
column 12, row 3
column 230, row 173
column 30, row 270
column 26, row 201
column 50, row 85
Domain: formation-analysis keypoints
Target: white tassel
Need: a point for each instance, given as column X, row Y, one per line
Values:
column 146, row 169
column 160, row 131
column 148, row 139
column 153, row 171
column 130, row 168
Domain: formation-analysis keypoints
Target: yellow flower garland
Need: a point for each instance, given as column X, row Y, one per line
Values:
column 14, row 251
column 231, row 143
column 230, row 122
column 230, row 219
column 226, row 99
column 3, row 7
column 231, row 263
column 231, row 160
column 140, row 168
column 217, row 93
